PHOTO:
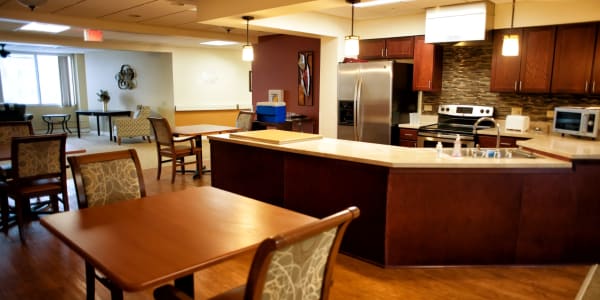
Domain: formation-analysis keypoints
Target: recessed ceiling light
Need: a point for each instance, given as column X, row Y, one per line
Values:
column 219, row 43
column 42, row 27
column 378, row 2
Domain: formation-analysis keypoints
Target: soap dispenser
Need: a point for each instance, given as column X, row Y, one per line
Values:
column 456, row 151
column 439, row 149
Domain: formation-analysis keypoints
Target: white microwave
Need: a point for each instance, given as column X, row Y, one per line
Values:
column 578, row 121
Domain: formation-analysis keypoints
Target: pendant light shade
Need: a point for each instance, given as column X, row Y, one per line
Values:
column 247, row 50
column 510, row 43
column 351, row 42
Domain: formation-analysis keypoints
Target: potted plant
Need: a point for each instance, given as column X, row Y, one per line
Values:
column 104, row 98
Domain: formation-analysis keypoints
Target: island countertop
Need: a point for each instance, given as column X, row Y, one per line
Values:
column 393, row 156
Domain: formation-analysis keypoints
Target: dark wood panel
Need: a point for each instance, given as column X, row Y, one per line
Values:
column 371, row 48
column 536, row 59
column 547, row 218
column 489, row 141
column 596, row 69
column 452, row 217
column 427, row 72
column 505, row 69
column 586, row 238
column 319, row 187
column 249, row 171
column 402, row 47
column 573, row 57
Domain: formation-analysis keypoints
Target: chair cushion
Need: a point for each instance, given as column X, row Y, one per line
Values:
column 123, row 183
column 38, row 158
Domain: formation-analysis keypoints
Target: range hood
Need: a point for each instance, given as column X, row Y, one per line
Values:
column 459, row 23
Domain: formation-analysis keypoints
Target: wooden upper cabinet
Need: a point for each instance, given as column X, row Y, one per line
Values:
column 596, row 69
column 573, row 58
column 427, row 69
column 386, row 48
column 534, row 71
column 536, row 59
column 505, row 69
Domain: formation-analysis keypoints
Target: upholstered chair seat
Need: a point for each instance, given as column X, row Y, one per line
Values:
column 138, row 125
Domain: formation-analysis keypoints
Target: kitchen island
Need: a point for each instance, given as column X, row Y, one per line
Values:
column 417, row 208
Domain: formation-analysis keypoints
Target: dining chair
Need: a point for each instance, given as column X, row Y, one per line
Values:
column 8, row 129
column 176, row 148
column 104, row 178
column 38, row 170
column 296, row 264
column 244, row 120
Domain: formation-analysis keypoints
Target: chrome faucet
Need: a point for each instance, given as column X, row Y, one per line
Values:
column 497, row 130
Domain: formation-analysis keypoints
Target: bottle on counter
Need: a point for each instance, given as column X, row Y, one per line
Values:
column 456, row 151
column 439, row 149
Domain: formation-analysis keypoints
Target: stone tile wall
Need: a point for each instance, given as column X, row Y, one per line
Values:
column 466, row 80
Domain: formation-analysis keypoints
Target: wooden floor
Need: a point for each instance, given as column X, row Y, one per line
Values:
column 47, row 269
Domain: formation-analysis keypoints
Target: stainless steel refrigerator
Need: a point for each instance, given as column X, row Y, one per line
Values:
column 373, row 98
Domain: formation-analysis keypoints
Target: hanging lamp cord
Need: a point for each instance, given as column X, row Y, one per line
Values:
column 352, row 26
column 512, row 18
column 247, row 28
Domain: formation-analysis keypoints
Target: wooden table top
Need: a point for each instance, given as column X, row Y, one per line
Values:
column 5, row 151
column 203, row 129
column 141, row 243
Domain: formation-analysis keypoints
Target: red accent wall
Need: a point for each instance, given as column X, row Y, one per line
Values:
column 275, row 66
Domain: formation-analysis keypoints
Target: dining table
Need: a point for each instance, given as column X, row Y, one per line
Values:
column 199, row 130
column 142, row 243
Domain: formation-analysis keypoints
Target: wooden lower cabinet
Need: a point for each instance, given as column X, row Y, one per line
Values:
column 416, row 216
column 489, row 141
column 408, row 137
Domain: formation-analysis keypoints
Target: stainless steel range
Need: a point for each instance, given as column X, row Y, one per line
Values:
column 455, row 119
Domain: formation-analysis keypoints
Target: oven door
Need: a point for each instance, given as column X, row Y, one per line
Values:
column 430, row 140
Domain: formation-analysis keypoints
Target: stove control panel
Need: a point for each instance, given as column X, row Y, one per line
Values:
column 466, row 110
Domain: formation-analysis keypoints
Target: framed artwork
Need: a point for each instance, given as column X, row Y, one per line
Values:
column 305, row 74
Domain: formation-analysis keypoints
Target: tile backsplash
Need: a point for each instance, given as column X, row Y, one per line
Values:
column 466, row 80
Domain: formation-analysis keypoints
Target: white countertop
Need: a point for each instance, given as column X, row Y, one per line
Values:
column 394, row 156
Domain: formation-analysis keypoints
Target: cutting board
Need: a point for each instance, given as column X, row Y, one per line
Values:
column 274, row 136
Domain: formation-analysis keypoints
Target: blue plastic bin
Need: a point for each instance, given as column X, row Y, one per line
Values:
column 273, row 112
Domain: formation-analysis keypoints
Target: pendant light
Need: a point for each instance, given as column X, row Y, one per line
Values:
column 510, row 43
column 247, row 51
column 351, row 41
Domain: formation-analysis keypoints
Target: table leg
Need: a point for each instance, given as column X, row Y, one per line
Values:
column 98, row 124
column 186, row 285
column 48, row 122
column 65, row 124
column 90, row 281
column 78, row 131
column 110, row 127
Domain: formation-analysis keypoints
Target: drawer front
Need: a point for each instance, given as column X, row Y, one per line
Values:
column 408, row 134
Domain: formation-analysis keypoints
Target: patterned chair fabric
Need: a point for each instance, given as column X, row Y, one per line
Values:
column 297, row 272
column 138, row 125
column 14, row 128
column 110, row 181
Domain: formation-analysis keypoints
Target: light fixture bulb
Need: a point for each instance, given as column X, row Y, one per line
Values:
column 248, row 53
column 247, row 50
column 351, row 46
column 510, row 45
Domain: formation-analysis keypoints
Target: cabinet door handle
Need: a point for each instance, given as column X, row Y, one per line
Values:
column 520, row 85
column 382, row 52
column 429, row 83
column 594, row 86
column 385, row 52
column 516, row 86
column 586, row 86
column 506, row 144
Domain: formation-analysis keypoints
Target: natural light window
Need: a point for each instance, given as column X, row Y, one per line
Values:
column 43, row 79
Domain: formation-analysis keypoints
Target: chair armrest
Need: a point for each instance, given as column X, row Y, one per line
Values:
column 182, row 138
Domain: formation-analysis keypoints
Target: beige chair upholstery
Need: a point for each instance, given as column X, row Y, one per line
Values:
column 244, row 120
column 138, row 125
column 104, row 178
column 294, row 265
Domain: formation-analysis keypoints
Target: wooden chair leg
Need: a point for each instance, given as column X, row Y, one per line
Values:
column 20, row 218
column 54, row 203
column 5, row 213
column 159, row 167
column 149, row 140
column 119, row 140
column 173, row 169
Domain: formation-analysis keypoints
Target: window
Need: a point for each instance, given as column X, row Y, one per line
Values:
column 46, row 79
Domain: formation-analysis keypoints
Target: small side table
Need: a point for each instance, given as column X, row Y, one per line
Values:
column 61, row 119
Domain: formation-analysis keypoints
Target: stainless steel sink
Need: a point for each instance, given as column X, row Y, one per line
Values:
column 492, row 153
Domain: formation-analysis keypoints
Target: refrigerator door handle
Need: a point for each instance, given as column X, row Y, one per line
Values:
column 358, row 124
column 354, row 118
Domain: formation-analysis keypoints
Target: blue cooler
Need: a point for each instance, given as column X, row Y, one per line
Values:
column 273, row 112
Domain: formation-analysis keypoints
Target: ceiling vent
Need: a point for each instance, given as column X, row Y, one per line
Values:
column 459, row 23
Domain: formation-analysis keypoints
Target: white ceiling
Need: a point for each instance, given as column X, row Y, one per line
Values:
column 175, row 22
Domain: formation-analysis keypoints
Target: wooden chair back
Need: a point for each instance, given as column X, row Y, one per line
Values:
column 38, row 157
column 103, row 178
column 244, row 120
column 10, row 129
column 162, row 132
